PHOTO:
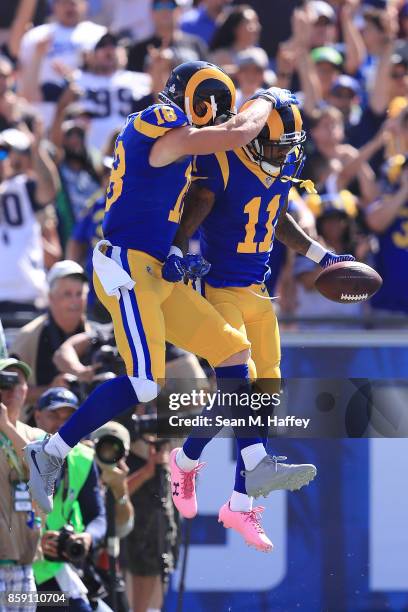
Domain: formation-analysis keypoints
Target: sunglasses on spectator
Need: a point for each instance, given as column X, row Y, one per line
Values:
column 341, row 92
column 323, row 21
column 398, row 75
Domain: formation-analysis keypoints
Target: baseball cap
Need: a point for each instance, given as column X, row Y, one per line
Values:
column 57, row 397
column 343, row 203
column 112, row 428
column 347, row 82
column 106, row 39
column 15, row 363
column 375, row 4
column 254, row 56
column 326, row 54
column 159, row 5
column 15, row 139
column 61, row 269
column 323, row 9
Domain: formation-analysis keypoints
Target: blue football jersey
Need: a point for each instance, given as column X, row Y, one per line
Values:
column 144, row 204
column 237, row 236
column 391, row 262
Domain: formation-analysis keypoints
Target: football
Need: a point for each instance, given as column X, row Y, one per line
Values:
column 348, row 282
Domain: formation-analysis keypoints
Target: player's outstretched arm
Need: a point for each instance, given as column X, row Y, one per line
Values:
column 292, row 235
column 233, row 134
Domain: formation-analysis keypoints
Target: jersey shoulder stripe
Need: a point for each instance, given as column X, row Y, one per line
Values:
column 158, row 119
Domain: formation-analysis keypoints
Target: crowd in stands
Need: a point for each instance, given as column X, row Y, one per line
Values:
column 71, row 71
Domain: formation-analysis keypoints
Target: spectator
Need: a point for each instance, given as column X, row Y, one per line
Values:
column 108, row 92
column 323, row 18
column 14, row 19
column 29, row 184
column 379, row 33
column 252, row 73
column 38, row 340
column 158, row 65
column 88, row 231
column 186, row 48
column 153, row 543
column 79, row 179
column 237, row 30
column 77, row 503
column 13, row 108
column 399, row 76
column 57, row 47
column 114, row 476
column 387, row 217
column 19, row 528
column 201, row 20
column 327, row 131
column 336, row 227
column 328, row 62
column 344, row 95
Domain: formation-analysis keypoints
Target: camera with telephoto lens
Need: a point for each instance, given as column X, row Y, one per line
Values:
column 68, row 549
column 109, row 360
column 109, row 450
column 8, row 380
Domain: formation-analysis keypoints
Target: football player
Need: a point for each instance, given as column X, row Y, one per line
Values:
column 150, row 176
column 239, row 201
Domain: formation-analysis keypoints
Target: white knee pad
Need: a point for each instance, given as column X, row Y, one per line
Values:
column 146, row 390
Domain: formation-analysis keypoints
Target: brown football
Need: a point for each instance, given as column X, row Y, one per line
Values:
column 348, row 282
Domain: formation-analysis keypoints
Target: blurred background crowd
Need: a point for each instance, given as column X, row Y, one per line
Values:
column 72, row 70
column 70, row 73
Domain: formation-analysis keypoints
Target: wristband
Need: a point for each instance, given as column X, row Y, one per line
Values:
column 266, row 95
column 174, row 250
column 316, row 252
column 122, row 501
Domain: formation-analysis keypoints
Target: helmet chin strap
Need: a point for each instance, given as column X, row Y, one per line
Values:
column 270, row 169
column 188, row 110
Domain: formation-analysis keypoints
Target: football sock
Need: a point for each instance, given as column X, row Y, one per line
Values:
column 103, row 404
column 230, row 379
column 252, row 455
column 184, row 462
column 57, row 447
column 240, row 502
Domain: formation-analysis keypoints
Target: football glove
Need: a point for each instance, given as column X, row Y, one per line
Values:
column 173, row 269
column 331, row 258
column 196, row 266
column 277, row 96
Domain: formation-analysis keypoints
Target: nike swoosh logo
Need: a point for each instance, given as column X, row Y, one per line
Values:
column 33, row 457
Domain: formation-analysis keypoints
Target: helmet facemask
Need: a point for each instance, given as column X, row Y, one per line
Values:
column 273, row 155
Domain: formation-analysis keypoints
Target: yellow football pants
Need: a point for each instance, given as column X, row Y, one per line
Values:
column 247, row 310
column 155, row 311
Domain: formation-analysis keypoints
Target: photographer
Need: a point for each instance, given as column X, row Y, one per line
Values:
column 19, row 526
column 78, row 520
column 112, row 445
column 152, row 546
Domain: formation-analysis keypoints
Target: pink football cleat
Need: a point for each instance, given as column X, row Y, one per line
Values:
column 248, row 525
column 183, row 487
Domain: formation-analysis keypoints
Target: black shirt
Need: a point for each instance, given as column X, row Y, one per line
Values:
column 51, row 338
